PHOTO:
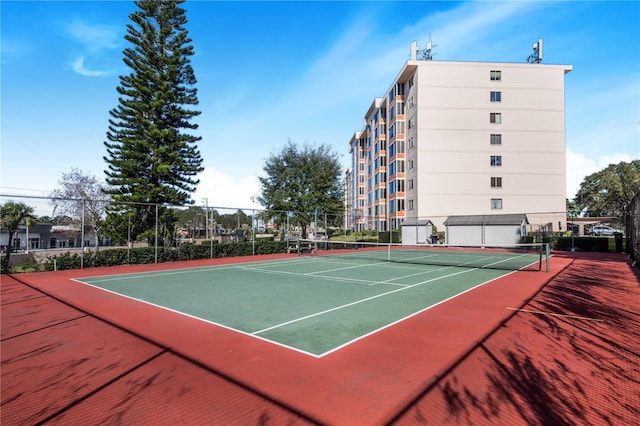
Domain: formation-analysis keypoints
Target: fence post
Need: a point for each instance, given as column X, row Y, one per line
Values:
column 156, row 242
column 82, row 237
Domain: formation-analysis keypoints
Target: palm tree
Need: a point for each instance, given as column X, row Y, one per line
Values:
column 12, row 214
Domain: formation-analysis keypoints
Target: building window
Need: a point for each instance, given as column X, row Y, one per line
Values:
column 496, row 182
column 411, row 145
column 411, row 123
column 496, row 96
column 496, row 160
column 496, row 139
column 400, row 185
column 495, row 117
column 410, row 164
column 496, row 75
column 496, row 203
column 400, row 205
column 410, row 183
column 410, row 204
column 392, row 95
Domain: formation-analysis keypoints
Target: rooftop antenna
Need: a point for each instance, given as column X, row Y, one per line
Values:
column 414, row 50
column 536, row 56
column 426, row 53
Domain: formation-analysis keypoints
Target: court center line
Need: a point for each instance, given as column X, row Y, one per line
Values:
column 389, row 281
column 344, row 279
column 300, row 274
column 359, row 301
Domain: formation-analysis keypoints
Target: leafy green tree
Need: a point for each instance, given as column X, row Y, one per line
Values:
column 231, row 221
column 80, row 193
column 302, row 182
column 609, row 191
column 152, row 159
column 12, row 215
column 573, row 209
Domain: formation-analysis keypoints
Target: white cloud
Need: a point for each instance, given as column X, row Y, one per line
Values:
column 78, row 66
column 580, row 166
column 223, row 190
column 94, row 37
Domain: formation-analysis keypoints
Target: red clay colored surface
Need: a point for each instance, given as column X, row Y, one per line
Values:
column 171, row 390
column 468, row 361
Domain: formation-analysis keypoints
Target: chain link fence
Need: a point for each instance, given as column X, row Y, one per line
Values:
column 82, row 226
column 632, row 230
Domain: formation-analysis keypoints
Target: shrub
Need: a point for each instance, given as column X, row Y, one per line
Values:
column 583, row 243
column 394, row 236
column 146, row 255
column 62, row 262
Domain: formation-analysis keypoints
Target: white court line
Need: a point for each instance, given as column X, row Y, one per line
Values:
column 358, row 301
column 372, row 332
column 472, row 262
column 166, row 308
column 272, row 263
column 141, row 275
column 344, row 279
column 300, row 274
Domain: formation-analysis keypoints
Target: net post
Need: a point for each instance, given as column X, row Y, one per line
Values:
column 299, row 247
column 547, row 256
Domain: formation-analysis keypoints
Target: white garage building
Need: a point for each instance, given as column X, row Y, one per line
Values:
column 416, row 232
column 489, row 230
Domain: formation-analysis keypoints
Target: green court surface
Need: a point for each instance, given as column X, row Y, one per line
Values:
column 314, row 305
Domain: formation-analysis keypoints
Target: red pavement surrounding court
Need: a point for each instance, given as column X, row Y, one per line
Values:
column 71, row 354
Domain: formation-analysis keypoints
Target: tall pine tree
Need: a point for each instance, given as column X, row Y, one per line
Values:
column 152, row 159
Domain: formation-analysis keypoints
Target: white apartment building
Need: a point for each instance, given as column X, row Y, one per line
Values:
column 462, row 138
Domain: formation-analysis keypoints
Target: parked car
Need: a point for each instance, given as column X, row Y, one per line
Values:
column 602, row 230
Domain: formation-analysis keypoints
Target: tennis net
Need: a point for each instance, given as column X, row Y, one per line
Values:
column 525, row 257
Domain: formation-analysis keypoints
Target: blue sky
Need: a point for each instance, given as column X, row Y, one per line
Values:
column 306, row 71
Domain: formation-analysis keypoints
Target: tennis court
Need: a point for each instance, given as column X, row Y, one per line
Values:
column 318, row 304
column 558, row 347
